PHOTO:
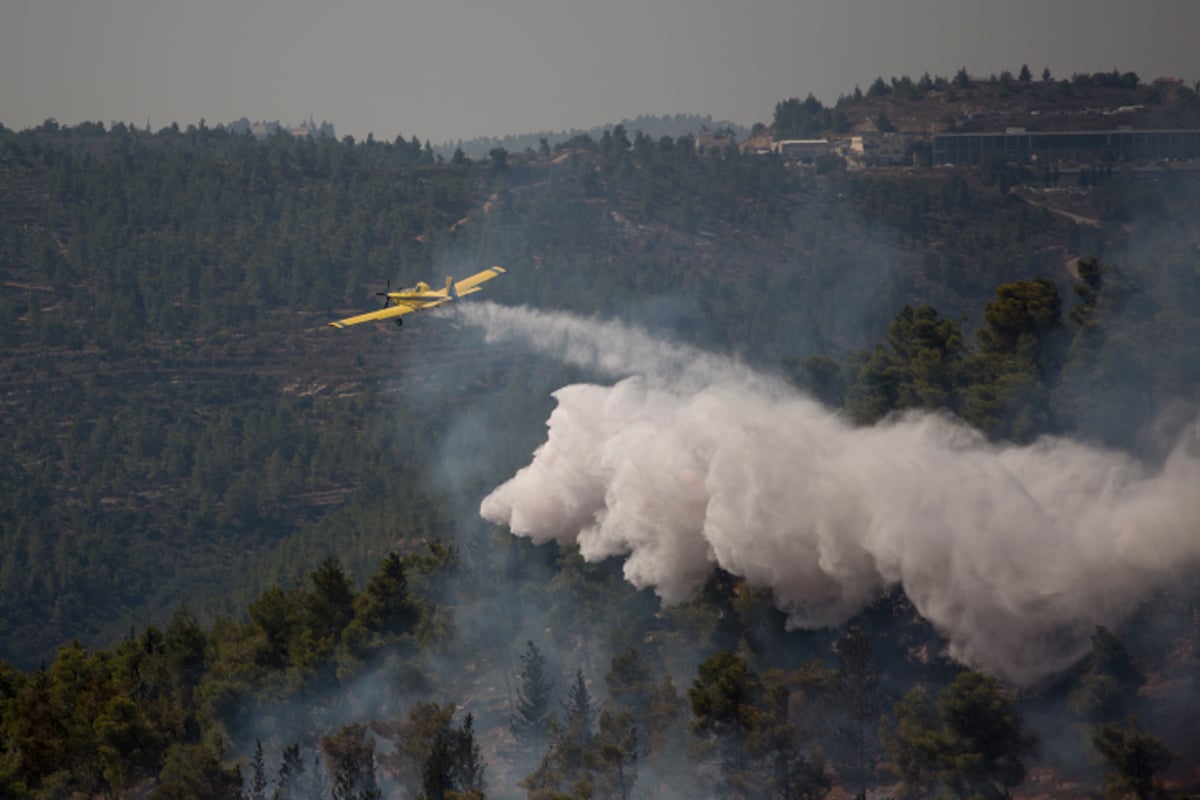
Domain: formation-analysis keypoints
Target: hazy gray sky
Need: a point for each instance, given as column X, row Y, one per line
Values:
column 450, row 69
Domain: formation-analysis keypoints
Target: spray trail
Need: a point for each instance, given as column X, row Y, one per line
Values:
column 609, row 347
column 1013, row 553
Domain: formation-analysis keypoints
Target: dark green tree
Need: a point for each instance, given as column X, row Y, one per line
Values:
column 317, row 785
column 385, row 606
column 571, row 763
column 258, row 775
column 330, row 602
column 1108, row 690
column 781, row 765
column 289, row 783
column 920, row 365
column 800, row 119
column 579, row 712
column 470, row 766
column 437, row 771
column 1020, row 353
column 859, row 703
column 415, row 737
column 617, row 755
column 1135, row 759
column 1087, row 290
column 196, row 772
column 455, row 765
column 984, row 742
column 127, row 748
column 351, row 756
column 655, row 707
column 911, row 740
column 723, row 697
column 279, row 615
column 1023, row 312
column 530, row 722
column 572, row 758
column 32, row 733
column 184, row 644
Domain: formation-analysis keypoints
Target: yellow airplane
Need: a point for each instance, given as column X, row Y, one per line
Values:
column 421, row 296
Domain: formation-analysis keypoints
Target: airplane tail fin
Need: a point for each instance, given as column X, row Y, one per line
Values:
column 450, row 289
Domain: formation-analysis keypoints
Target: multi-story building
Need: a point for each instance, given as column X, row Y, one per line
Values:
column 1079, row 147
column 886, row 149
column 805, row 150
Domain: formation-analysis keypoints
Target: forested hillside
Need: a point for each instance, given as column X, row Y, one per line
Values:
column 256, row 528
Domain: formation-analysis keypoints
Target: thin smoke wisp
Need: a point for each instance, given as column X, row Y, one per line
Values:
column 689, row 461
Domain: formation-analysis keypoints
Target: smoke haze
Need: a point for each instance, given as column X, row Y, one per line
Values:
column 691, row 461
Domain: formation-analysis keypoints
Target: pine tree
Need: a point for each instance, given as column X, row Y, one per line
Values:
column 455, row 763
column 469, row 763
column 723, row 697
column 579, row 711
column 437, row 773
column 531, row 722
column 317, row 787
column 911, row 743
column 258, row 776
column 291, row 774
column 352, row 754
column 983, row 741
column 618, row 754
column 1108, row 690
column 569, row 762
column 781, row 765
column 385, row 606
column 857, row 692
column 1135, row 757
column 331, row 602
column 656, row 708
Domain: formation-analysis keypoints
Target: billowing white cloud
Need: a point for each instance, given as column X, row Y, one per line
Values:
column 1013, row 553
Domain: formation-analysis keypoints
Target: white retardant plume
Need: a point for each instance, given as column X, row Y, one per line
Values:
column 1013, row 553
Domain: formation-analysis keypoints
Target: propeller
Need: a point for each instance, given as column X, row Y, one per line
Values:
column 384, row 295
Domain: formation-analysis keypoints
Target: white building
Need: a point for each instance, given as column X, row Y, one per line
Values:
column 805, row 150
column 886, row 149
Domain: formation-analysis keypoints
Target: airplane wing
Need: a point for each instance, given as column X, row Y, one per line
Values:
column 471, row 285
column 384, row 313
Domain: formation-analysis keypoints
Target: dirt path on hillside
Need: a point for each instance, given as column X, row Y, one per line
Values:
column 1078, row 218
